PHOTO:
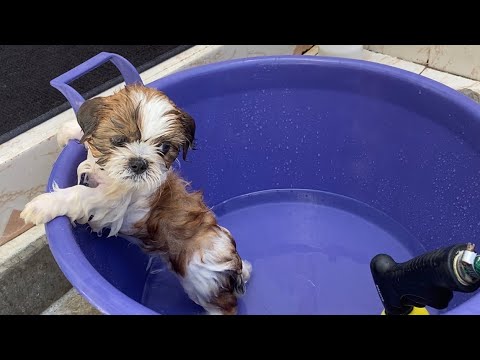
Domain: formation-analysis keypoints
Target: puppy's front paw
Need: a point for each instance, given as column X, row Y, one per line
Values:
column 69, row 130
column 40, row 210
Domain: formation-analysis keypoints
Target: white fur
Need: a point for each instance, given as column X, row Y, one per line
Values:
column 200, row 281
column 137, row 210
column 117, row 167
column 110, row 206
column 69, row 130
column 94, row 176
column 153, row 122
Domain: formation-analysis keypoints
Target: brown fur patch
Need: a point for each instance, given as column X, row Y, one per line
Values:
column 179, row 223
column 104, row 119
column 226, row 301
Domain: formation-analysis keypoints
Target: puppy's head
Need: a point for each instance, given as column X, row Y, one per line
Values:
column 136, row 134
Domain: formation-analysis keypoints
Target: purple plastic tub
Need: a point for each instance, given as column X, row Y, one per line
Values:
column 315, row 165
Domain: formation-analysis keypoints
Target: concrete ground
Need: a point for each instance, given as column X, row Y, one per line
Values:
column 72, row 303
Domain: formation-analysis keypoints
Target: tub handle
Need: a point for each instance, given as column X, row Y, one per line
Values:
column 61, row 83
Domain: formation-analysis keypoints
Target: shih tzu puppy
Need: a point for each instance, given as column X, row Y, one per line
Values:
column 132, row 138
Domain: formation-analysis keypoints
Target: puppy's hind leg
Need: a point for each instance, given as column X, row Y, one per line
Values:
column 246, row 266
column 214, row 276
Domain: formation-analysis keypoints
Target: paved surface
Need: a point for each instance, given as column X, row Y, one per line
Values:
column 72, row 303
column 30, row 279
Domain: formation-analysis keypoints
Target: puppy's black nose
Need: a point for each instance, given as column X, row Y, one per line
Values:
column 138, row 165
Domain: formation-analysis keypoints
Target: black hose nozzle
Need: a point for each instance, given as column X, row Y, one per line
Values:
column 426, row 280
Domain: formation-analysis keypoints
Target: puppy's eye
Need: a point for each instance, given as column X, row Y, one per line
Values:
column 164, row 148
column 118, row 140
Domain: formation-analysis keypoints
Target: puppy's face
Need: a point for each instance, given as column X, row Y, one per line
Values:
column 136, row 134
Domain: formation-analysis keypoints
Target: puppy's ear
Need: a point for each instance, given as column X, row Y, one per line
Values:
column 188, row 125
column 87, row 117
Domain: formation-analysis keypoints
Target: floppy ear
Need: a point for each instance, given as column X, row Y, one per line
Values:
column 87, row 117
column 188, row 125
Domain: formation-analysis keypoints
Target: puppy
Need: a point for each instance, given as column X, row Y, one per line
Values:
column 132, row 138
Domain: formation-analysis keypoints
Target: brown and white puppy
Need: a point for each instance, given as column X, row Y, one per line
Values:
column 133, row 137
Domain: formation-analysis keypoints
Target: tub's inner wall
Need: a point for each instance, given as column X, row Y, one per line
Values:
column 382, row 140
column 119, row 261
